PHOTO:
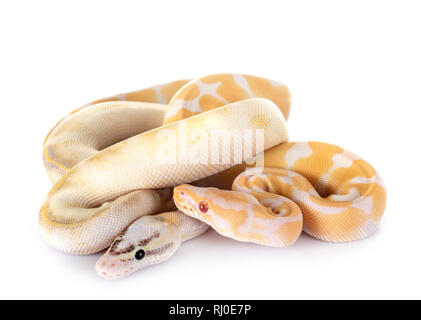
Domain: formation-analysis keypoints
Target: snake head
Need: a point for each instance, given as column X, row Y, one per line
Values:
column 203, row 203
column 147, row 241
column 191, row 200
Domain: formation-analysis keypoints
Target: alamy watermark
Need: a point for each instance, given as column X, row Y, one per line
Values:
column 214, row 147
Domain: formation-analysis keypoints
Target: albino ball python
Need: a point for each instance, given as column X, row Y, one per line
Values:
column 328, row 192
column 106, row 163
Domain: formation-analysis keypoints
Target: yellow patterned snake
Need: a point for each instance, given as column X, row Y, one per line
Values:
column 115, row 161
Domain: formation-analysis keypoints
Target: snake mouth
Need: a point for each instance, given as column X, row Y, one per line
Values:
column 111, row 268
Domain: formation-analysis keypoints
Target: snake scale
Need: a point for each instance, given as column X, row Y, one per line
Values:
column 141, row 172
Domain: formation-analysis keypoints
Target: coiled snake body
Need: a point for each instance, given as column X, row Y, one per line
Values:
column 115, row 161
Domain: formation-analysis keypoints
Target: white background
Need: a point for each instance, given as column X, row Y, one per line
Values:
column 354, row 71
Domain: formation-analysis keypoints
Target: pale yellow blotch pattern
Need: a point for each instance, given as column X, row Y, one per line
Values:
column 213, row 91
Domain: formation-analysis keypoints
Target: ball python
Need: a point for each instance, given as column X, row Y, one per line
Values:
column 329, row 193
column 104, row 161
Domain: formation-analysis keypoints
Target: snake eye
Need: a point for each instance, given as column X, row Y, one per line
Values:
column 139, row 254
column 203, row 206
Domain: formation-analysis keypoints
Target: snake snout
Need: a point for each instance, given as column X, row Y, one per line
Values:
column 179, row 194
column 180, row 190
column 112, row 268
column 183, row 200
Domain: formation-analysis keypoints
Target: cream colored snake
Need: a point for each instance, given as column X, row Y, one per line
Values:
column 114, row 164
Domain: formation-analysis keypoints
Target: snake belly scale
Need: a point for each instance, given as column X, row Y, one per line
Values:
column 113, row 183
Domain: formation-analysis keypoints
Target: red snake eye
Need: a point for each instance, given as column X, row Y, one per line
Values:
column 203, row 206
